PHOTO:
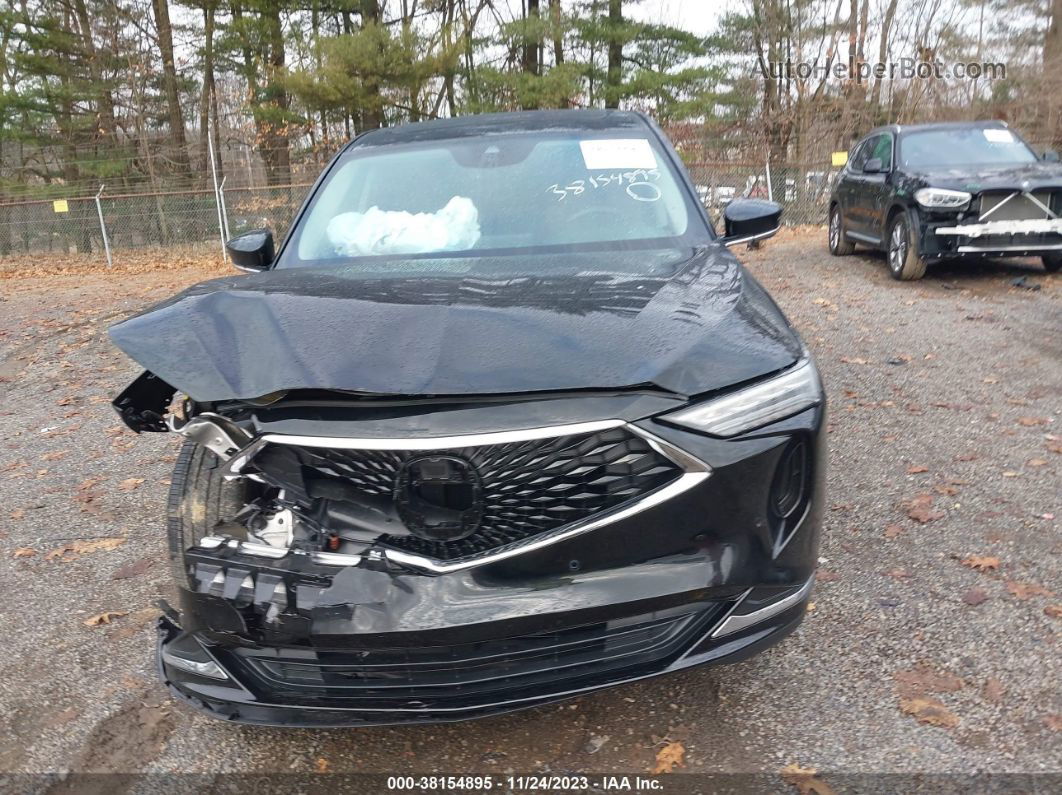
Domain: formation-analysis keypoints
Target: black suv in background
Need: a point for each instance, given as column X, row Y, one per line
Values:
column 932, row 191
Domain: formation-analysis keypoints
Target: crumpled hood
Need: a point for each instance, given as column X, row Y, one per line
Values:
column 1027, row 176
column 703, row 325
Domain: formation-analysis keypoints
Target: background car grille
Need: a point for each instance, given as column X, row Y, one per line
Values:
column 469, row 673
column 528, row 487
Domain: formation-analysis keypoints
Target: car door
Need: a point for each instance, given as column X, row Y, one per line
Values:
column 869, row 189
column 849, row 186
column 876, row 190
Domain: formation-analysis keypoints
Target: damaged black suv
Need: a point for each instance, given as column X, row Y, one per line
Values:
column 928, row 192
column 500, row 423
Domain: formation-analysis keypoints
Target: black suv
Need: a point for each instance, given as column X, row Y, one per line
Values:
column 933, row 191
column 501, row 422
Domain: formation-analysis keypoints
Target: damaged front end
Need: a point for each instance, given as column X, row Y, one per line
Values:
column 340, row 564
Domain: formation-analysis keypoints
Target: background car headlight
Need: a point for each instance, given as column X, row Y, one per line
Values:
column 756, row 405
column 942, row 199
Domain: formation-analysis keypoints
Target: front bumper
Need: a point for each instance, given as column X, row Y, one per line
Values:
column 709, row 576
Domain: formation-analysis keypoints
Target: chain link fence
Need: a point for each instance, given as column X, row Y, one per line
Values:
column 165, row 218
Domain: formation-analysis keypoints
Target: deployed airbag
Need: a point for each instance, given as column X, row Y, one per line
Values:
column 453, row 228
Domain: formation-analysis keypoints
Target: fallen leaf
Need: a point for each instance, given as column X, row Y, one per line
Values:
column 322, row 765
column 993, row 691
column 915, row 469
column 133, row 569
column 1027, row 590
column 104, row 618
column 920, row 508
column 981, row 562
column 17, row 514
column 805, row 779
column 82, row 547
column 894, row 531
column 25, row 552
column 55, row 455
column 1036, row 462
column 669, row 757
column 974, row 597
column 929, row 711
column 923, row 680
column 810, row 607
column 1053, row 722
column 1029, row 422
column 1053, row 611
column 129, row 484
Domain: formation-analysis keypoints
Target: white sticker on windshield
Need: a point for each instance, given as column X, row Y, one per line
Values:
column 612, row 153
column 999, row 136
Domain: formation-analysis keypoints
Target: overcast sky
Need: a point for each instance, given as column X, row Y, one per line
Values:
column 696, row 16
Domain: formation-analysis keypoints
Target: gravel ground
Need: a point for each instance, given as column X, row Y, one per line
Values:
column 931, row 647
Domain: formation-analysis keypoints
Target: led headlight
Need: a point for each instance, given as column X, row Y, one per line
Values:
column 942, row 199
column 756, row 405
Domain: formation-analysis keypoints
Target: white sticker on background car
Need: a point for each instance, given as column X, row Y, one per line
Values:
column 999, row 136
column 617, row 153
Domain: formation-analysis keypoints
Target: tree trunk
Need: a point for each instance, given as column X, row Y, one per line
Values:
column 372, row 116
column 1051, row 72
column 104, row 102
column 558, row 32
column 614, row 75
column 169, row 83
column 531, row 43
column 883, row 51
column 208, row 105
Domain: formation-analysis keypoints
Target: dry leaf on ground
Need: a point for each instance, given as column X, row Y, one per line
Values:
column 993, row 691
column 129, row 484
column 25, row 552
column 1053, row 611
column 916, row 470
column 82, row 547
column 974, row 597
column 922, row 680
column 1053, row 722
column 929, row 711
column 920, row 508
column 104, row 618
column 1027, row 590
column 894, row 531
column 805, row 779
column 981, row 562
column 669, row 757
column 1029, row 422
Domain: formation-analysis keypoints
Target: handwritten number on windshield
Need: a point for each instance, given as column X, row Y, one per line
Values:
column 638, row 185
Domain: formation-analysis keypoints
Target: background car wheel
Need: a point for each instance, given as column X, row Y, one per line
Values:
column 839, row 246
column 200, row 499
column 1052, row 262
column 905, row 263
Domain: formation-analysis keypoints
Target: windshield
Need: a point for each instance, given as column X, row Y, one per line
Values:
column 495, row 195
column 964, row 147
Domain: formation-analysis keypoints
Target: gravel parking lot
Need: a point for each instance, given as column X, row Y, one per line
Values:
column 933, row 641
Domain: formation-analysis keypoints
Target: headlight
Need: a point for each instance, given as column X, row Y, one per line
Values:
column 942, row 199
column 754, row 406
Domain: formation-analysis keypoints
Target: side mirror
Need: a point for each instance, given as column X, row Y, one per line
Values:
column 1050, row 155
column 873, row 166
column 745, row 220
column 252, row 251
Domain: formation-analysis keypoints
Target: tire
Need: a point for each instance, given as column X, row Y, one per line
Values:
column 839, row 246
column 905, row 262
column 1052, row 262
column 200, row 499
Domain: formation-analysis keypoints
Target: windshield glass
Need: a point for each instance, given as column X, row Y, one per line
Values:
column 964, row 147
column 495, row 195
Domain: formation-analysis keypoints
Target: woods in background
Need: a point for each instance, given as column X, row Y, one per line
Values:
column 124, row 91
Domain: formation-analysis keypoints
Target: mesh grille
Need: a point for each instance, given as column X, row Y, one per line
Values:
column 528, row 487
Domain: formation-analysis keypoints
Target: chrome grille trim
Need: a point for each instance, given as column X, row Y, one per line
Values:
column 694, row 472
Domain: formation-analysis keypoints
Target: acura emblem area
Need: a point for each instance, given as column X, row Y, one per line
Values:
column 438, row 497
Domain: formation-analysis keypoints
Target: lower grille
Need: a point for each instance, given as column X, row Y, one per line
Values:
column 523, row 489
column 1012, row 205
column 440, row 676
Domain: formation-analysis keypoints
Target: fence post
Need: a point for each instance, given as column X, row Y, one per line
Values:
column 103, row 226
column 770, row 190
column 217, row 196
column 224, row 209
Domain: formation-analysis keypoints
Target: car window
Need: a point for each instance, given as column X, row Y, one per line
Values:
column 883, row 150
column 861, row 153
column 514, row 193
column 963, row 146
